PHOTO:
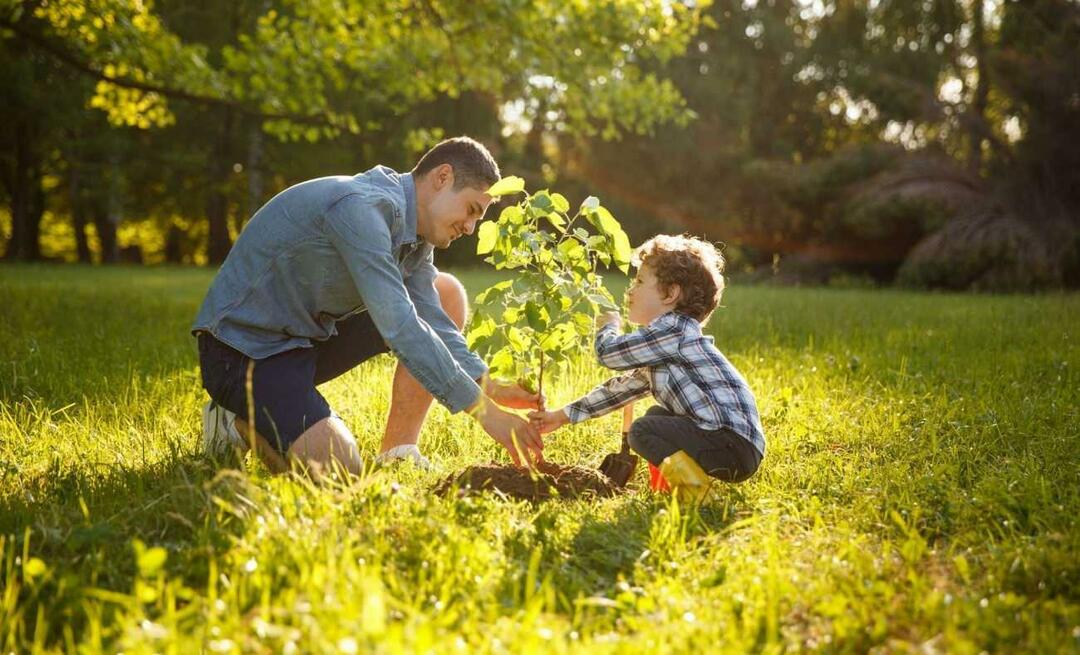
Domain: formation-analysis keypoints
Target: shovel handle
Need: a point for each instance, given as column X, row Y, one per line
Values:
column 627, row 418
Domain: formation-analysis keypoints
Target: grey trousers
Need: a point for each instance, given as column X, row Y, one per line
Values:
column 723, row 454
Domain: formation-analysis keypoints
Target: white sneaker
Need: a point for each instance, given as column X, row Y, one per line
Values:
column 220, row 436
column 405, row 452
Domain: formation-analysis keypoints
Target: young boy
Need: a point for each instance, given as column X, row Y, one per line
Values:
column 706, row 423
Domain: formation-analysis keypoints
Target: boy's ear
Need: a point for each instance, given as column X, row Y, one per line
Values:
column 672, row 294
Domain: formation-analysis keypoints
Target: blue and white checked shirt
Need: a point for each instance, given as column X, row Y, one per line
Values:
column 685, row 372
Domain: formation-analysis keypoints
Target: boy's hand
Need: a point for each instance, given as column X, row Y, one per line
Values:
column 548, row 421
column 608, row 318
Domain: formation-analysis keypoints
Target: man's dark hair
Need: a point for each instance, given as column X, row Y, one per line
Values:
column 473, row 165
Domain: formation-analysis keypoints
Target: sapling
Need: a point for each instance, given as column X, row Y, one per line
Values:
column 529, row 327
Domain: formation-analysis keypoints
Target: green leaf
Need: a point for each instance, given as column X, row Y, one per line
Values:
column 493, row 292
column 536, row 316
column 571, row 249
column 557, row 220
column 606, row 222
column 591, row 203
column 560, row 202
column 623, row 252
column 516, row 339
column 512, row 214
column 502, row 363
column 486, row 238
column 542, row 202
column 506, row 186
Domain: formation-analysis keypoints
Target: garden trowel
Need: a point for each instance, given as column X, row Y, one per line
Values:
column 619, row 467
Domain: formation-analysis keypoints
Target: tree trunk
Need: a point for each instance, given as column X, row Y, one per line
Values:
column 217, row 206
column 106, row 231
column 27, row 201
column 254, row 173
column 977, row 120
column 78, row 215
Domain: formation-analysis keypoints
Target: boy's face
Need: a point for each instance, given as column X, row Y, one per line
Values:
column 646, row 301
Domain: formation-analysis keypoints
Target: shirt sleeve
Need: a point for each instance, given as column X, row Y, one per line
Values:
column 359, row 228
column 421, row 288
column 609, row 396
column 653, row 344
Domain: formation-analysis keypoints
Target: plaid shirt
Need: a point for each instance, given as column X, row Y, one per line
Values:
column 684, row 371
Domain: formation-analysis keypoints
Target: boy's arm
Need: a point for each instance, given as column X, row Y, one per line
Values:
column 609, row 396
column 651, row 345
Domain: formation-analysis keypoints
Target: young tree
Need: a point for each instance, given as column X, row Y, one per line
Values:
column 529, row 327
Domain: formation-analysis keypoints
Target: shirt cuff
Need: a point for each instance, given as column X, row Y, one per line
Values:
column 462, row 393
column 575, row 413
column 475, row 368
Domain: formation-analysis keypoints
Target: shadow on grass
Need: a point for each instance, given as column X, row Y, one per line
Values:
column 647, row 532
column 81, row 522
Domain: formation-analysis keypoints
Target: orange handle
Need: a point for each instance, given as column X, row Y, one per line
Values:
column 627, row 417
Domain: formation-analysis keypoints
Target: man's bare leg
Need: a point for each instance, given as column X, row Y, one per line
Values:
column 320, row 449
column 409, row 401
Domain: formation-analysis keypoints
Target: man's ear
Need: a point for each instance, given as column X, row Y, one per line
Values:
column 443, row 176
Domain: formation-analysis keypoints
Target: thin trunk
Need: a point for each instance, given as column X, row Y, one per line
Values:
column 106, row 231
column 19, row 195
column 217, row 202
column 254, row 172
column 27, row 201
column 32, row 236
column 982, row 90
column 78, row 215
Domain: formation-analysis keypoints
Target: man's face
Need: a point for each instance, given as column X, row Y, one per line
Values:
column 454, row 213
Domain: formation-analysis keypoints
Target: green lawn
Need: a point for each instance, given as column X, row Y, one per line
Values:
column 920, row 494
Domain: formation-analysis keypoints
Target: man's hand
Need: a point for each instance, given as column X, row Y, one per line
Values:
column 513, row 395
column 514, row 433
column 548, row 421
column 608, row 318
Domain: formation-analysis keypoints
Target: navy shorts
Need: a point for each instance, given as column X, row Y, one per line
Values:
column 285, row 399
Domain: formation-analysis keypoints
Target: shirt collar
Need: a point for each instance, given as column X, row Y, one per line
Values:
column 408, row 186
column 682, row 320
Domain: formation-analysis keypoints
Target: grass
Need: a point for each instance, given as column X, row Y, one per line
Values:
column 920, row 494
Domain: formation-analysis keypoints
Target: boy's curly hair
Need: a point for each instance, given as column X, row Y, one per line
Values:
column 693, row 264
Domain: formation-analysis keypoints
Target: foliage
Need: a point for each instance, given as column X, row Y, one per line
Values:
column 788, row 94
column 919, row 494
column 317, row 69
column 534, row 323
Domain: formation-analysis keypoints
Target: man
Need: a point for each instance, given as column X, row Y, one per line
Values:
column 330, row 273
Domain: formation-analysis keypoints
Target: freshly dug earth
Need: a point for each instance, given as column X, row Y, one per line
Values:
column 549, row 481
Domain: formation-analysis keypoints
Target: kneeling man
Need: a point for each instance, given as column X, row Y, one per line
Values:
column 331, row 272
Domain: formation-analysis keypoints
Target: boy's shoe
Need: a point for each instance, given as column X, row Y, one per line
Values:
column 689, row 482
column 405, row 452
column 220, row 436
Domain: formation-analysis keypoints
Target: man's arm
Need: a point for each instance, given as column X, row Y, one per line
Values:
column 421, row 288
column 360, row 230
column 359, row 227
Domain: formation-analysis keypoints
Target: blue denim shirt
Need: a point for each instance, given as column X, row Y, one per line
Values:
column 326, row 249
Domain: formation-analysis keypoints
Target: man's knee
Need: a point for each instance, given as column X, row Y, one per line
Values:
column 452, row 296
column 326, row 445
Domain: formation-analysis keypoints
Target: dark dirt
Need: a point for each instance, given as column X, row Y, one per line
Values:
column 549, row 481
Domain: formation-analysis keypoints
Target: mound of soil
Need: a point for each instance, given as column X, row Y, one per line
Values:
column 548, row 481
